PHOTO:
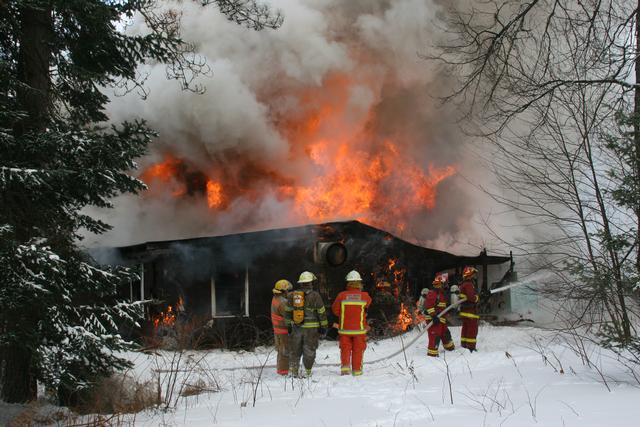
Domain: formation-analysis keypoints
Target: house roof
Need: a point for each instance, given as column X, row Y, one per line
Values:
column 292, row 234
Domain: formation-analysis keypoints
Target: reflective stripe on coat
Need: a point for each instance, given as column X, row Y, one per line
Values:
column 315, row 315
column 278, row 307
column 469, row 298
column 351, row 308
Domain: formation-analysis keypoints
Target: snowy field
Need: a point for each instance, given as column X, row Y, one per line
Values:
column 516, row 379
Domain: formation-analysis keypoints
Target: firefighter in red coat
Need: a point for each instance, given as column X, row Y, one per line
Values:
column 351, row 307
column 434, row 303
column 469, row 309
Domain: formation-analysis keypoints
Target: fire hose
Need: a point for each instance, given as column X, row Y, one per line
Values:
column 417, row 337
column 394, row 354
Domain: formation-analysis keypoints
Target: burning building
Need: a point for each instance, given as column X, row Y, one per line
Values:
column 228, row 279
column 332, row 117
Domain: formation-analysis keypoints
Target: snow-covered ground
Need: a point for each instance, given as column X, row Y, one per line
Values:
column 507, row 383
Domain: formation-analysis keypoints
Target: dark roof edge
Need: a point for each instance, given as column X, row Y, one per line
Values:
column 475, row 260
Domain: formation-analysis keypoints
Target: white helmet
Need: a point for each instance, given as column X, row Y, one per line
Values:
column 307, row 277
column 353, row 276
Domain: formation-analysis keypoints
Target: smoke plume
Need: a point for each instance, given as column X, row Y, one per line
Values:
column 333, row 116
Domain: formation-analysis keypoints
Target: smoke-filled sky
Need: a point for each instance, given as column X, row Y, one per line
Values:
column 333, row 116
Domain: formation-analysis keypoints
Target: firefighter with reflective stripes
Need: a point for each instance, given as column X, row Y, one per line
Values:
column 350, row 306
column 280, row 330
column 306, row 320
column 434, row 303
column 469, row 309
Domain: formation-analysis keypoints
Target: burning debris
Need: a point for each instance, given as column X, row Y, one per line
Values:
column 167, row 318
column 405, row 319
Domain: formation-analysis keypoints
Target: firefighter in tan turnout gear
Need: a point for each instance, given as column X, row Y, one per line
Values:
column 280, row 330
column 306, row 319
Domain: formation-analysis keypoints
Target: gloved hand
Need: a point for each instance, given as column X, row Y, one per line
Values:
column 289, row 328
column 322, row 331
column 435, row 319
column 485, row 295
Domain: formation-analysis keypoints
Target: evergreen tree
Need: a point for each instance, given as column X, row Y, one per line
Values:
column 59, row 312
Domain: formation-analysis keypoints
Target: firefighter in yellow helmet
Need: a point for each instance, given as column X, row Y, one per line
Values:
column 306, row 319
column 280, row 332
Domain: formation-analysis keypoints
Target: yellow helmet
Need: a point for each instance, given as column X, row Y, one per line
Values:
column 282, row 286
column 307, row 277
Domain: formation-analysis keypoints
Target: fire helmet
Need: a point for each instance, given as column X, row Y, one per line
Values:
column 282, row 286
column 307, row 277
column 438, row 281
column 383, row 285
column 353, row 276
column 469, row 272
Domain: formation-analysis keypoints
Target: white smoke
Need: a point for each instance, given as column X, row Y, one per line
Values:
column 250, row 92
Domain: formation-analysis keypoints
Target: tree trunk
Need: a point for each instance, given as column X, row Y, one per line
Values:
column 36, row 29
column 636, row 131
column 18, row 385
column 17, row 378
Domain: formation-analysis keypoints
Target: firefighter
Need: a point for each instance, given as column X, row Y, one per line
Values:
column 306, row 320
column 350, row 306
column 434, row 303
column 384, row 309
column 280, row 330
column 469, row 308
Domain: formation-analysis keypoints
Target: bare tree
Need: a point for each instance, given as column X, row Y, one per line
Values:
column 552, row 84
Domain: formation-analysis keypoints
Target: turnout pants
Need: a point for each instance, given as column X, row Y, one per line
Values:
column 302, row 342
column 469, row 330
column 351, row 352
column 281, row 343
column 437, row 333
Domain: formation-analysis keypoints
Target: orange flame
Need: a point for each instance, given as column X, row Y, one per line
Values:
column 348, row 170
column 214, row 194
column 168, row 173
column 405, row 319
column 168, row 317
